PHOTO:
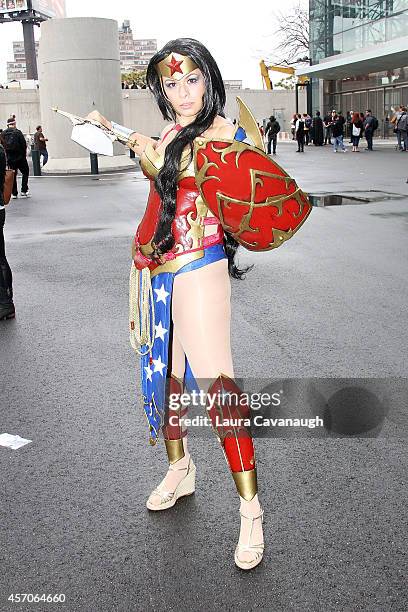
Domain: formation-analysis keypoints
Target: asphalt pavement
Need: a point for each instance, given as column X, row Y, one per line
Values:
column 318, row 316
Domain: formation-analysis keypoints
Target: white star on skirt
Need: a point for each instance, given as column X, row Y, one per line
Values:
column 159, row 365
column 149, row 373
column 160, row 331
column 161, row 294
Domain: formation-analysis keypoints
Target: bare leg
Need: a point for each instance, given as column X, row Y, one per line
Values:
column 201, row 311
column 215, row 279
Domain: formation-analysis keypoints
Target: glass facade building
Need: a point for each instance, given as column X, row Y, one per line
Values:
column 346, row 29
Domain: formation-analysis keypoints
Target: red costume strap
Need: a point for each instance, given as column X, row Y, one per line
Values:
column 217, row 238
column 177, row 127
column 211, row 221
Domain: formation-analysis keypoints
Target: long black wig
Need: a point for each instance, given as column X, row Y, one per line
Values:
column 213, row 105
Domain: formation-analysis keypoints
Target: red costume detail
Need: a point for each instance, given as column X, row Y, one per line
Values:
column 175, row 65
column 234, row 435
column 172, row 430
column 250, row 194
column 187, row 194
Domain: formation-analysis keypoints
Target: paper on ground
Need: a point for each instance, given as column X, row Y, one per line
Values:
column 12, row 442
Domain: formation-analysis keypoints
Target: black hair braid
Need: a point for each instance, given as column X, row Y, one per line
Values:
column 231, row 246
column 213, row 105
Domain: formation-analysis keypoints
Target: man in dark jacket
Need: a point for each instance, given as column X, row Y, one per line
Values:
column 337, row 131
column 272, row 129
column 369, row 129
column 317, row 130
column 40, row 144
column 327, row 124
column 16, row 150
column 6, row 288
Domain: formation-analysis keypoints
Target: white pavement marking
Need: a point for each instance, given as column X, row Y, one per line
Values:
column 13, row 442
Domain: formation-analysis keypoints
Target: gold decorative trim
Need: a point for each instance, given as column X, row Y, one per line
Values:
column 152, row 440
column 175, row 264
column 146, row 249
column 175, row 450
column 246, row 483
column 175, row 66
column 179, row 380
column 248, row 123
column 152, row 162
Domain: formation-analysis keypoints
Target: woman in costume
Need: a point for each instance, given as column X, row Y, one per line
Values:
column 183, row 259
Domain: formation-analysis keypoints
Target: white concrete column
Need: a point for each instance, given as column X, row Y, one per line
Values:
column 79, row 71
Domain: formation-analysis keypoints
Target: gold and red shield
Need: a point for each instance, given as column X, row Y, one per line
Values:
column 256, row 201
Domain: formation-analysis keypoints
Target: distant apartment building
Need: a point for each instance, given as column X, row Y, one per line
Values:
column 144, row 51
column 232, row 84
column 126, row 47
column 17, row 69
column 134, row 53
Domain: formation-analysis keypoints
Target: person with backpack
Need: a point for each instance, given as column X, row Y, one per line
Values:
column 272, row 129
column 402, row 128
column 7, row 310
column 394, row 121
column 16, row 150
column 370, row 125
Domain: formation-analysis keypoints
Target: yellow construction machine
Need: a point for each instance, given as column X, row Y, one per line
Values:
column 285, row 69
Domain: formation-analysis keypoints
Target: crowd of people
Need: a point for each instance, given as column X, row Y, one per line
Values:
column 132, row 85
column 15, row 147
column 333, row 128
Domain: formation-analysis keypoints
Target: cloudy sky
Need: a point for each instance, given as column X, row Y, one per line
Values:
column 238, row 37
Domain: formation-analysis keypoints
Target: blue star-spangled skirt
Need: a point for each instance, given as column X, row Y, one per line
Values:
column 153, row 366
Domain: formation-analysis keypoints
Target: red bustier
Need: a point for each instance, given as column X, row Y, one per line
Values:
column 187, row 227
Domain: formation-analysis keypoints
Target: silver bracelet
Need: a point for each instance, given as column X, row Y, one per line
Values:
column 122, row 130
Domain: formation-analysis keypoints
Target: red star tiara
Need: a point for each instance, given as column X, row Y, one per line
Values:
column 175, row 66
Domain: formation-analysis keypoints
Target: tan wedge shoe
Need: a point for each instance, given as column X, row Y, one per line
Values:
column 257, row 549
column 168, row 498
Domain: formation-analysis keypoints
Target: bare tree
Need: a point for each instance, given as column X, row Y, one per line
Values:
column 287, row 83
column 137, row 77
column 293, row 32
